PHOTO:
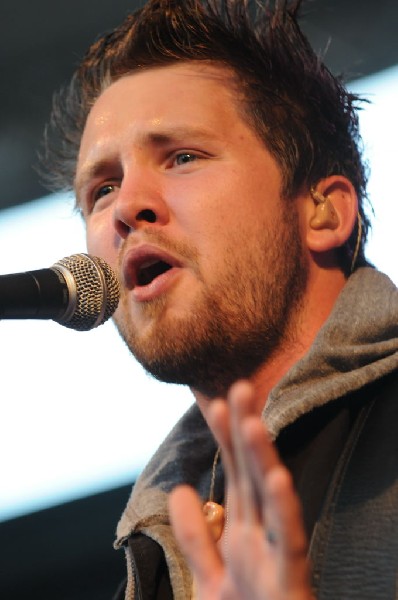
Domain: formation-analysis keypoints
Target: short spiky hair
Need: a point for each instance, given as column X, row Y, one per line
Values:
column 304, row 115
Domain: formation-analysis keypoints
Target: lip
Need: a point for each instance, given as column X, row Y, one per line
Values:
column 135, row 258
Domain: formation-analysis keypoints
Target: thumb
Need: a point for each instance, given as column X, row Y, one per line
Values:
column 194, row 539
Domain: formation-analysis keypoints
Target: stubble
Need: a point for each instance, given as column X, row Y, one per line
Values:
column 235, row 325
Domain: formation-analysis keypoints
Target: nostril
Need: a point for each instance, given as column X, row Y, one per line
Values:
column 146, row 215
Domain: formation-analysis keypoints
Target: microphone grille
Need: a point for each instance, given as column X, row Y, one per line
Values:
column 96, row 289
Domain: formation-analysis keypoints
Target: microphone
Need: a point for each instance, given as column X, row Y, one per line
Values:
column 79, row 292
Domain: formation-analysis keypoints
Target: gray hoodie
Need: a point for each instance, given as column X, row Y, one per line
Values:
column 357, row 345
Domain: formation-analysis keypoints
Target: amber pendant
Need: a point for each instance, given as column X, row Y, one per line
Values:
column 215, row 518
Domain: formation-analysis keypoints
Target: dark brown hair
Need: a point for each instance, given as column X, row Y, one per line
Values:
column 304, row 115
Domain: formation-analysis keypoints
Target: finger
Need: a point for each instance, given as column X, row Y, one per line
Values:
column 220, row 421
column 242, row 407
column 226, row 419
column 283, row 524
column 261, row 453
column 285, row 520
column 278, row 498
column 193, row 536
column 224, row 415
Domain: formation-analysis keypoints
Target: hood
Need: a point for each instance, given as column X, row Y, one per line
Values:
column 357, row 345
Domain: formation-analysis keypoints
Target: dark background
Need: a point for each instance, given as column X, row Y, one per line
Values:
column 65, row 553
column 41, row 42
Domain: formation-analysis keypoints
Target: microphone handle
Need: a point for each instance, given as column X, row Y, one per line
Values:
column 41, row 294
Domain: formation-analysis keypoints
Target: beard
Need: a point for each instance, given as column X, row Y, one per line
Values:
column 235, row 325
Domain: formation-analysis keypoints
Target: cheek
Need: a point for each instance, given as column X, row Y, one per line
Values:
column 100, row 240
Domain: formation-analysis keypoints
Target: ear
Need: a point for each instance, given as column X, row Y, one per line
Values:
column 331, row 212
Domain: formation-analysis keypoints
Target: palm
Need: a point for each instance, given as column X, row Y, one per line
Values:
column 262, row 555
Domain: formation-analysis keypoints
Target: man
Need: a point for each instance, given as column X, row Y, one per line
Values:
column 216, row 163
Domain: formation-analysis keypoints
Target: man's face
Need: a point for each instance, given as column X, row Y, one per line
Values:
column 183, row 200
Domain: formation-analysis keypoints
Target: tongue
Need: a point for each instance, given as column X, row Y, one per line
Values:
column 148, row 274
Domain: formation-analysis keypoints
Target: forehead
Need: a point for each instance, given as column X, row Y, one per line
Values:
column 189, row 78
column 195, row 93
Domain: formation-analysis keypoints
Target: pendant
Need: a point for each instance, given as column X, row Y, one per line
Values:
column 215, row 518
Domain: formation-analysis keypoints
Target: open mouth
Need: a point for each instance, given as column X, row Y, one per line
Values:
column 148, row 271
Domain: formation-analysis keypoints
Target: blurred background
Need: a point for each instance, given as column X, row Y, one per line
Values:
column 79, row 417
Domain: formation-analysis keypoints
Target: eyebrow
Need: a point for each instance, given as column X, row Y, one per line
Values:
column 175, row 135
column 93, row 170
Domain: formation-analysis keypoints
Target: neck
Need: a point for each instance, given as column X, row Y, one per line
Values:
column 265, row 378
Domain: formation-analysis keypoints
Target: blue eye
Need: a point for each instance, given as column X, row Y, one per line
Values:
column 184, row 158
column 104, row 190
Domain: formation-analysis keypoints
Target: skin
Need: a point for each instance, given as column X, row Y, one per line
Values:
column 167, row 164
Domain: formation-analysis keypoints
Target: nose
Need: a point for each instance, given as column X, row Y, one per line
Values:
column 139, row 203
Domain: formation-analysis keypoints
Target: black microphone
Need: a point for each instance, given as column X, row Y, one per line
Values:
column 79, row 292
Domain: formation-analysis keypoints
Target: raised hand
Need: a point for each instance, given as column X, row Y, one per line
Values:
column 262, row 554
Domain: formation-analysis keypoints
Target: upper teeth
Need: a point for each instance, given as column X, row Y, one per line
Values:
column 148, row 263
